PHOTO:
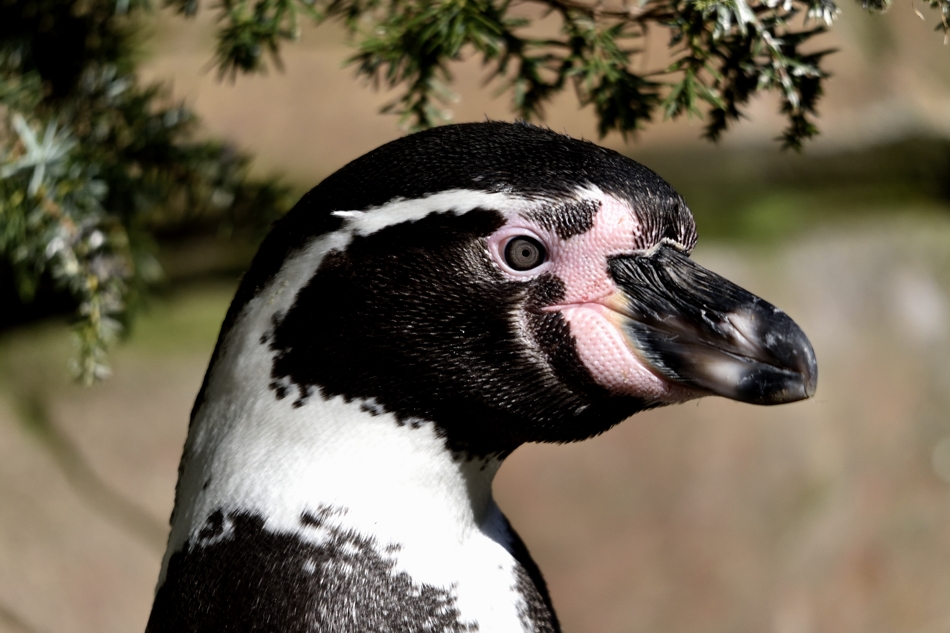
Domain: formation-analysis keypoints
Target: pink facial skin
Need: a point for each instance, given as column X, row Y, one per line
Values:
column 581, row 263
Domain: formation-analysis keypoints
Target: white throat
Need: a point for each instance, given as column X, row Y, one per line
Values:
column 250, row 452
column 352, row 464
column 396, row 483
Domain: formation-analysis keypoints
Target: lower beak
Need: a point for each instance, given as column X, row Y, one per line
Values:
column 698, row 329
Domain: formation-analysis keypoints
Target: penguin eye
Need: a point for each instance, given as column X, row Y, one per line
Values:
column 524, row 253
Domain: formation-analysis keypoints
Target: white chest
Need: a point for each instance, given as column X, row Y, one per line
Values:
column 363, row 510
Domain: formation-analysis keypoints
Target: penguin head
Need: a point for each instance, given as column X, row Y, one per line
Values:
column 509, row 284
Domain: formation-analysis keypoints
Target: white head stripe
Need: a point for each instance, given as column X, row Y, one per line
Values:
column 402, row 210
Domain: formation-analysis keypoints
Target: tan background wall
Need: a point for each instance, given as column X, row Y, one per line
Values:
column 826, row 516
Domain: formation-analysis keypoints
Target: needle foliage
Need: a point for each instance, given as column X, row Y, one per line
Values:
column 722, row 52
column 93, row 163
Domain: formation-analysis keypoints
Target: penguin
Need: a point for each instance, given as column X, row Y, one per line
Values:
column 414, row 319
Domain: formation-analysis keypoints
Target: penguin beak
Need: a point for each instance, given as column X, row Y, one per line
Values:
column 698, row 329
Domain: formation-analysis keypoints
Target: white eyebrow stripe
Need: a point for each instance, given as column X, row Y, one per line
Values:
column 458, row 201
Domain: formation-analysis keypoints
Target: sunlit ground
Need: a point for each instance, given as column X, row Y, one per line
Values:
column 830, row 515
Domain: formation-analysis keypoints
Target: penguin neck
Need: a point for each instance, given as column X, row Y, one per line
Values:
column 252, row 451
column 349, row 462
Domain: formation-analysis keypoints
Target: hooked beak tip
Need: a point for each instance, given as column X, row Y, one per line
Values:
column 811, row 377
column 697, row 329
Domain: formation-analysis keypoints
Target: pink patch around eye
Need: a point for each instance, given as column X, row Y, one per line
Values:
column 580, row 262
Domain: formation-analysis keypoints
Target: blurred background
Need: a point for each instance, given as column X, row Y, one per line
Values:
column 831, row 515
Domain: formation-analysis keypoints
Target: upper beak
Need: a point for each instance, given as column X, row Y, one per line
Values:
column 698, row 329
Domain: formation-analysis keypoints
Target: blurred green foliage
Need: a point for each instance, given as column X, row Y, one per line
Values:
column 758, row 196
column 723, row 51
column 95, row 168
column 94, row 165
